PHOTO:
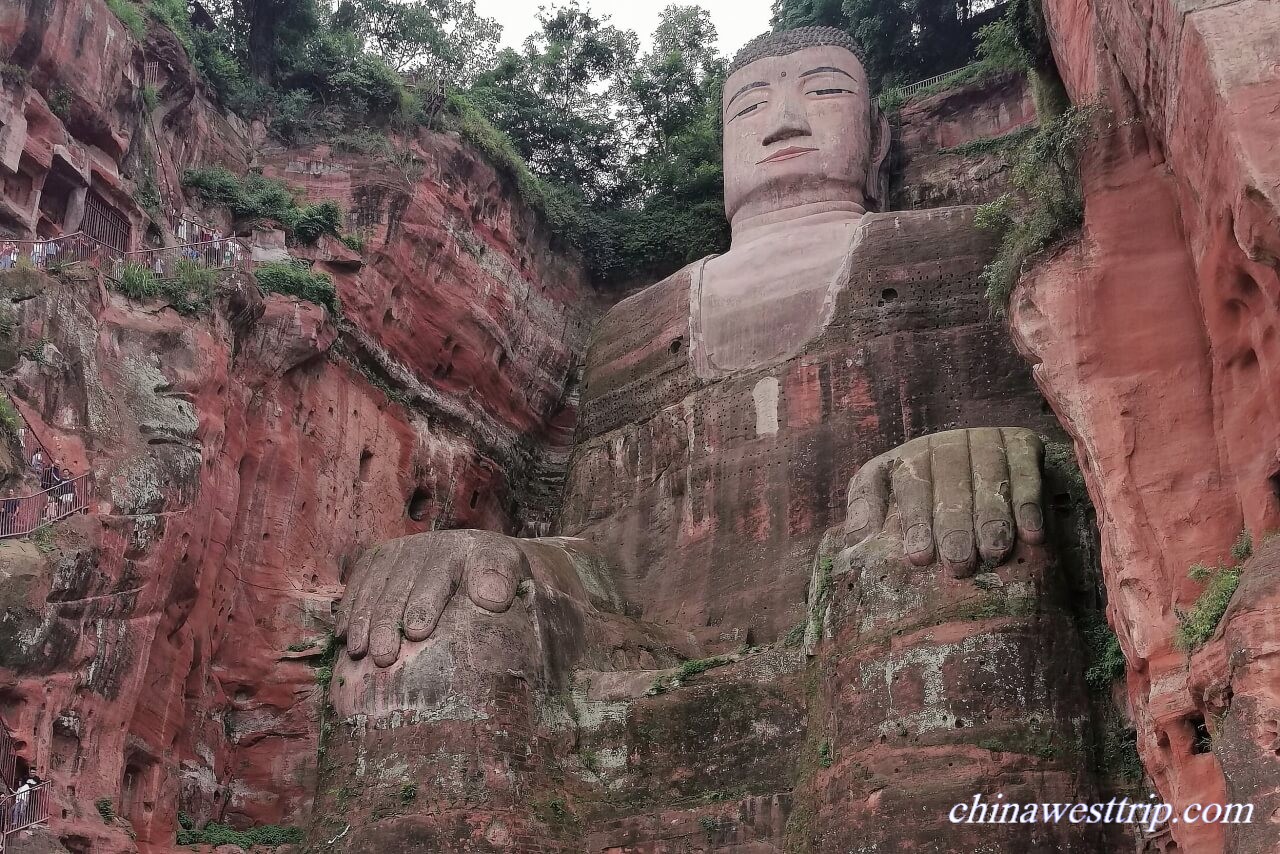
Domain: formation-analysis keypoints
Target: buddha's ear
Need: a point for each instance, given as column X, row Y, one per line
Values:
column 877, row 187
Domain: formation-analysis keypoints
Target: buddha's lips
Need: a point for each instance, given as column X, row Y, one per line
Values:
column 786, row 154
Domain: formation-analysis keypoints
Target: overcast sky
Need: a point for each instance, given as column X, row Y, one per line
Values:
column 737, row 21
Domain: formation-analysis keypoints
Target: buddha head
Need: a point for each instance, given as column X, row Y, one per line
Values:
column 800, row 125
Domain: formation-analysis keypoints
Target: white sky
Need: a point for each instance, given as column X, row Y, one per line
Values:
column 737, row 21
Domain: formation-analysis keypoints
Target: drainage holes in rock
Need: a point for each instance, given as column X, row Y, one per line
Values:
column 419, row 504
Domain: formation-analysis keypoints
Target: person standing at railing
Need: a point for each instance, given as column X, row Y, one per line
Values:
column 66, row 491
column 9, row 513
column 48, row 473
column 21, row 799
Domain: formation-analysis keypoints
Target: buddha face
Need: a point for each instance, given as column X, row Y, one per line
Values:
column 796, row 132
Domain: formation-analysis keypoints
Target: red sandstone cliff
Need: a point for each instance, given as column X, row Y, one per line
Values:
column 162, row 654
column 1154, row 336
column 244, row 460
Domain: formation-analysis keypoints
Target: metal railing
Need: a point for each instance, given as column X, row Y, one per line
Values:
column 8, row 760
column 219, row 253
column 222, row 253
column 188, row 230
column 22, row 514
column 912, row 88
column 77, row 246
column 31, row 445
column 24, row 810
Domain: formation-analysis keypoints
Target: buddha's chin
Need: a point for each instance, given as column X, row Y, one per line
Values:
column 793, row 188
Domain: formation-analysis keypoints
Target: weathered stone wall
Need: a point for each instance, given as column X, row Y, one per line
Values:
column 1154, row 338
column 948, row 146
column 163, row 654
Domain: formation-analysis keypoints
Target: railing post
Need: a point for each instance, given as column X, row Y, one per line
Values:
column 8, row 758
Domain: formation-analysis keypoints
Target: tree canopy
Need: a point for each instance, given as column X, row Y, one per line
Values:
column 443, row 38
column 902, row 40
column 619, row 147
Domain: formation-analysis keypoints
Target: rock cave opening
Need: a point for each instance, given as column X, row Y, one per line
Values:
column 419, row 504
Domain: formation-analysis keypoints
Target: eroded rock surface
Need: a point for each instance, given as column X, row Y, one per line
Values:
column 163, row 654
column 642, row 686
column 1154, row 339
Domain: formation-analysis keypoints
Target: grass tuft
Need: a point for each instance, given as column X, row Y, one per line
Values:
column 283, row 277
column 130, row 15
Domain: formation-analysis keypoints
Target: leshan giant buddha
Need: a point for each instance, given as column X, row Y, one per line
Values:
column 809, row 434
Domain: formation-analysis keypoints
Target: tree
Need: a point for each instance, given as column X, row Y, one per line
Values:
column 901, row 40
column 674, row 174
column 668, row 88
column 444, row 38
column 273, row 31
column 885, row 29
column 261, row 36
column 553, row 97
column 789, row 14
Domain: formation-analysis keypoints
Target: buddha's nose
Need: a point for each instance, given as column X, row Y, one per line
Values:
column 790, row 121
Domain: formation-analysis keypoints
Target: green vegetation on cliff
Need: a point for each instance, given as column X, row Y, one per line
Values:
column 617, row 148
column 215, row 834
column 284, row 277
column 188, row 292
column 1046, row 202
column 1197, row 626
column 10, row 420
column 257, row 198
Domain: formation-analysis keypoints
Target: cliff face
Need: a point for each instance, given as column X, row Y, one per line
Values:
column 948, row 146
column 163, row 652
column 1154, row 336
column 169, row 652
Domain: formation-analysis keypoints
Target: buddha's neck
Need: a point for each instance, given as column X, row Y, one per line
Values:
column 779, row 224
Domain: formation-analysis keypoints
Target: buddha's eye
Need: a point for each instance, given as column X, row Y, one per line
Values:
column 830, row 92
column 750, row 108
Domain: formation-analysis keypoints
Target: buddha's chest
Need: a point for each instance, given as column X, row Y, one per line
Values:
column 901, row 344
column 766, row 303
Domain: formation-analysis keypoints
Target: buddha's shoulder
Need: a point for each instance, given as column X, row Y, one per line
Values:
column 651, row 318
column 637, row 361
column 894, row 237
column 913, row 270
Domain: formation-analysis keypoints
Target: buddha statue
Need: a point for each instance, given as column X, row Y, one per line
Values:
column 819, row 434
